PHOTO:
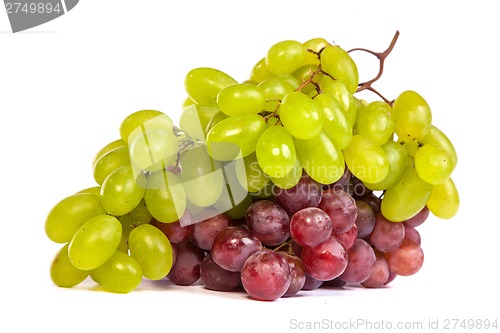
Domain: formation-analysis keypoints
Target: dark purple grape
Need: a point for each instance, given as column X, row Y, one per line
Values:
column 380, row 273
column 407, row 259
column 310, row 226
column 391, row 277
column 266, row 275
column 342, row 182
column 357, row 189
column 307, row 193
column 348, row 238
column 268, row 222
column 297, row 272
column 311, row 283
column 325, row 261
column 335, row 283
column 186, row 269
column 175, row 232
column 418, row 219
column 205, row 231
column 365, row 219
column 232, row 247
column 386, row 235
column 217, row 278
column 373, row 201
column 360, row 263
column 413, row 235
column 340, row 207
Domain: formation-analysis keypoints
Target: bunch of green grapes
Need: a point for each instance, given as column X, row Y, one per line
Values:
column 297, row 115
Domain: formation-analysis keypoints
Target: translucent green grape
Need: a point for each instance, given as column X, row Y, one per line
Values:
column 95, row 190
column 121, row 191
column 339, row 64
column 120, row 274
column 153, row 150
column 292, row 178
column 195, row 118
column 62, row 271
column 304, row 73
column 437, row 138
column 406, row 198
column 285, row 57
column 165, row 196
column 316, row 45
column 110, row 146
column 433, row 164
column 95, row 242
column 137, row 216
column 234, row 136
column 139, row 121
column 260, row 72
column 109, row 162
column 152, row 250
column 241, row 99
column 204, row 84
column 374, row 121
column 336, row 124
column 274, row 90
column 397, row 157
column 412, row 116
column 338, row 90
column 199, row 170
column 320, row 158
column 252, row 178
column 276, row 152
column 69, row 214
column 366, row 159
column 444, row 200
column 301, row 116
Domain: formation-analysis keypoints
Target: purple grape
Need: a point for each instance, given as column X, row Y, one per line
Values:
column 268, row 222
column 407, row 259
column 342, row 182
column 311, row 283
column 307, row 193
column 413, row 235
column 325, row 261
column 335, row 283
column 188, row 259
column 360, row 264
column 373, row 201
column 217, row 278
column 174, row 232
column 205, row 231
column 297, row 272
column 340, row 207
column 380, row 273
column 418, row 219
column 232, row 247
column 310, row 226
column 348, row 238
column 266, row 275
column 386, row 235
column 365, row 219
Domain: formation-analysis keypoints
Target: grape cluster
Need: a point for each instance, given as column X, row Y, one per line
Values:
column 284, row 182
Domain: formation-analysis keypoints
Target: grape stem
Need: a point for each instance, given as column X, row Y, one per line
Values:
column 381, row 56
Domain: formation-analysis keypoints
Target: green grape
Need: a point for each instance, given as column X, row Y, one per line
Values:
column 397, row 157
column 121, row 191
column 252, row 178
column 433, row 164
column 320, row 158
column 188, row 102
column 316, row 45
column 165, row 196
column 260, row 72
column 290, row 79
column 194, row 120
column 292, row 178
column 241, row 99
column 62, row 271
column 239, row 210
column 139, row 121
column 120, row 274
column 444, row 200
column 437, row 138
column 336, row 124
column 216, row 118
column 204, row 84
column 152, row 250
column 110, row 146
column 285, row 57
column 275, row 152
column 109, row 162
column 154, row 150
column 304, row 73
column 301, row 116
column 374, row 121
column 200, row 171
column 410, row 147
column 412, row 116
column 234, row 136
column 406, row 198
column 137, row 216
column 339, row 64
column 339, row 91
column 274, row 90
column 123, row 246
column 366, row 160
column 95, row 190
column 95, row 242
column 69, row 214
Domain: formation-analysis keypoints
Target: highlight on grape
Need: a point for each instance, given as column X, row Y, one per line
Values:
column 279, row 184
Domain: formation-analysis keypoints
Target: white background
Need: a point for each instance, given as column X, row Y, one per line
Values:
column 65, row 87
